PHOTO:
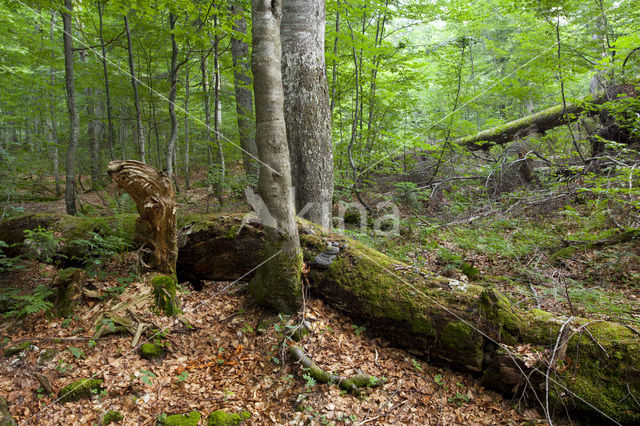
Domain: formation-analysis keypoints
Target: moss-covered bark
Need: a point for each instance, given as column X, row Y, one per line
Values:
column 467, row 327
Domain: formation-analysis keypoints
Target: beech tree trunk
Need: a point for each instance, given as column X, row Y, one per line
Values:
column 53, row 134
column 244, row 98
column 106, row 85
column 277, row 283
column 154, row 195
column 307, row 112
column 465, row 326
column 74, row 119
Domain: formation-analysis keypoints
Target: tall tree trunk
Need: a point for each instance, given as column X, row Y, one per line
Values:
column 218, row 115
column 244, row 98
column 106, row 84
column 136, row 95
column 306, row 104
column 207, row 109
column 94, row 128
column 70, row 163
column 53, row 138
column 334, row 72
column 173, row 76
column 277, row 282
column 187, row 86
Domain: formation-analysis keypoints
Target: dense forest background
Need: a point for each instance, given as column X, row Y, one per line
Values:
column 484, row 163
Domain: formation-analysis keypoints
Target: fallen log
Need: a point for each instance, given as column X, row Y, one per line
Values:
column 542, row 121
column 595, row 365
column 466, row 326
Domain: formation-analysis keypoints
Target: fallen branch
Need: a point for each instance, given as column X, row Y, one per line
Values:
column 353, row 385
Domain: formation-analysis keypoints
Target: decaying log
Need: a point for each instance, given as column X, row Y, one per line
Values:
column 154, row 195
column 544, row 120
column 466, row 326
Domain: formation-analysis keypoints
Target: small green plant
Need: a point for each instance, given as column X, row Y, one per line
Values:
column 146, row 376
column 63, row 367
column 182, row 376
column 41, row 244
column 310, row 382
column 416, row 364
column 161, row 418
column 439, row 380
column 77, row 353
column 7, row 263
column 358, row 329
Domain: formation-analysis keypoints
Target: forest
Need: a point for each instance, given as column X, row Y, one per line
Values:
column 340, row 212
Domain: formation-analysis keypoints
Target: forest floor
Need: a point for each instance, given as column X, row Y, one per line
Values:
column 219, row 354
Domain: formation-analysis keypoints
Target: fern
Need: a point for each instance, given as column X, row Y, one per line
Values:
column 20, row 305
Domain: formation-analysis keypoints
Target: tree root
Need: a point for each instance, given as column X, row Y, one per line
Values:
column 354, row 384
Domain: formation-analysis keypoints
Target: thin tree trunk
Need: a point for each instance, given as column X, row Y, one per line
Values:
column 173, row 76
column 93, row 130
column 70, row 163
column 244, row 98
column 53, row 138
column 207, row 110
column 218, row 116
column 106, row 84
column 187, row 85
column 136, row 95
column 306, row 103
column 277, row 282
column 334, row 72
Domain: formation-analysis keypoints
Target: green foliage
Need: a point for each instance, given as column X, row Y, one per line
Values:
column 41, row 244
column 77, row 353
column 7, row 263
column 409, row 194
column 17, row 304
column 146, row 376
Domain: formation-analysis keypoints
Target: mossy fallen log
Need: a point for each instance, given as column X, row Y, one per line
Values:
column 543, row 120
column 466, row 326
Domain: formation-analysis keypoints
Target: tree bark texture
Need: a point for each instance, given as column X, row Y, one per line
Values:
column 154, row 195
column 244, row 98
column 173, row 81
column 277, row 283
column 70, row 163
column 306, row 103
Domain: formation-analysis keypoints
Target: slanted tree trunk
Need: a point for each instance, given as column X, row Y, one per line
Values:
column 244, row 98
column 277, row 283
column 217, row 115
column 544, row 120
column 306, row 103
column 465, row 326
column 154, row 195
column 70, row 162
column 136, row 95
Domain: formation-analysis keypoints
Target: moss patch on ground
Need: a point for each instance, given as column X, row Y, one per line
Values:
column 80, row 389
column 222, row 418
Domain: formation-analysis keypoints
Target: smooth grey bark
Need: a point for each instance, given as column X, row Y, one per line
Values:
column 173, row 81
column 244, row 98
column 277, row 282
column 306, row 106
column 53, row 138
column 70, row 162
column 136, row 95
column 93, row 129
column 207, row 108
column 106, row 84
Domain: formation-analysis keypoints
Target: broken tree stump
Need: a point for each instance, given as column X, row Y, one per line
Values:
column 154, row 195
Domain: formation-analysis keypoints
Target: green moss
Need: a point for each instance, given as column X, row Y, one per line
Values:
column 221, row 418
column 187, row 419
column 112, row 416
column 564, row 253
column 46, row 356
column 469, row 270
column 164, row 293
column 151, row 351
column 277, row 283
column 422, row 326
column 83, row 388
column 16, row 349
column 498, row 310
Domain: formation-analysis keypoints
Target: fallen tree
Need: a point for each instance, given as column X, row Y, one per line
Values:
column 589, row 366
column 542, row 121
